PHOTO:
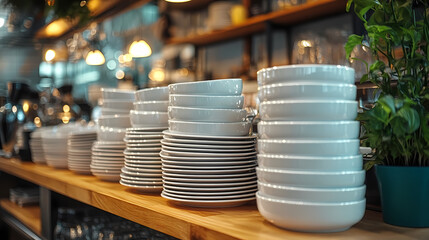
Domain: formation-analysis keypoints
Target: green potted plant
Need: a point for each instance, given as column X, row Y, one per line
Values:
column 396, row 128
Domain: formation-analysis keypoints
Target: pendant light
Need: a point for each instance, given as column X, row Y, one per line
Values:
column 95, row 58
column 139, row 49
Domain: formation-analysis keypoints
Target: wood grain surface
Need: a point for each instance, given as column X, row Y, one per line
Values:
column 153, row 211
column 28, row 215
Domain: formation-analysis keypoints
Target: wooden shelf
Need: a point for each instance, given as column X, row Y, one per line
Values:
column 28, row 215
column 155, row 212
column 305, row 12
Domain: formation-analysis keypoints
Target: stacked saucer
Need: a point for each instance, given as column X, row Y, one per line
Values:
column 79, row 149
column 310, row 175
column 107, row 152
column 142, row 170
column 36, row 147
column 208, row 157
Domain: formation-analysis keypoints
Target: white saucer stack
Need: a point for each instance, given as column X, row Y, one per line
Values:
column 310, row 175
column 107, row 151
column 54, row 141
column 36, row 146
column 142, row 170
column 208, row 157
column 79, row 149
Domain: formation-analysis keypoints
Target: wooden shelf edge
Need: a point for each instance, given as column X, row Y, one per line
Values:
column 305, row 12
column 153, row 211
column 28, row 215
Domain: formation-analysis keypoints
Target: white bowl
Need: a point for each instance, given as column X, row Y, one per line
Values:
column 211, row 129
column 156, row 106
column 117, row 94
column 115, row 121
column 310, row 90
column 223, row 87
column 314, row 179
column 140, row 119
column 113, row 111
column 311, row 216
column 118, row 104
column 311, row 163
column 309, row 129
column 110, row 134
column 316, row 147
column 307, row 73
column 309, row 110
column 202, row 101
column 326, row 195
column 206, row 115
column 152, row 94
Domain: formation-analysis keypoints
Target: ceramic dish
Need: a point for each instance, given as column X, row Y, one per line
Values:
column 204, row 101
column 223, row 87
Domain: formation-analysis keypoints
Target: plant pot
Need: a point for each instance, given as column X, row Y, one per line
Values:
column 404, row 195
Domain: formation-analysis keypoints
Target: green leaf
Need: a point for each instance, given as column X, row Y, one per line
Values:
column 411, row 117
column 352, row 42
column 377, row 65
column 349, row 4
column 388, row 102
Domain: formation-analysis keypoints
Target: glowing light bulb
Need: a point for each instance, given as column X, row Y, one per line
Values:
column 95, row 58
column 49, row 55
column 66, row 108
column 140, row 49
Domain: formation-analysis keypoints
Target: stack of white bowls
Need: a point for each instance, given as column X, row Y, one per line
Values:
column 79, row 149
column 142, row 170
column 108, row 150
column 219, row 15
column 208, row 156
column 310, row 173
column 36, row 147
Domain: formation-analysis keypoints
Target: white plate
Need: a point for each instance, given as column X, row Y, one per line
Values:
column 154, row 180
column 129, row 171
column 167, row 142
column 150, row 141
column 209, row 150
column 142, row 188
column 107, row 163
column 143, row 154
column 211, row 196
column 146, row 162
column 79, row 159
column 209, row 167
column 209, row 164
column 109, row 143
column 107, row 154
column 143, row 170
column 140, row 136
column 148, row 149
column 207, row 172
column 112, row 158
column 138, row 182
column 133, row 133
column 216, row 143
column 200, row 159
column 213, row 190
column 215, row 194
column 150, row 166
column 105, row 169
column 198, row 154
column 198, row 185
column 154, row 129
column 208, row 203
column 140, row 158
column 207, row 137
column 209, row 180
column 144, row 145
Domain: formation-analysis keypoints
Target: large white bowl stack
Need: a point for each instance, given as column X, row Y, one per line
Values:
column 310, row 175
column 142, row 170
column 208, row 156
column 79, row 146
column 108, row 150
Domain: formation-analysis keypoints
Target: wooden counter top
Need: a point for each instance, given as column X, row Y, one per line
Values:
column 28, row 215
column 155, row 212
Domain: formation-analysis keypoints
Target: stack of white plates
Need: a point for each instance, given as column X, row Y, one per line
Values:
column 142, row 170
column 54, row 142
column 208, row 157
column 310, row 175
column 107, row 151
column 219, row 15
column 79, row 149
column 36, row 147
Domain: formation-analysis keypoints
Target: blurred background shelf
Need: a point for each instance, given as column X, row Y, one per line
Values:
column 29, row 216
column 296, row 14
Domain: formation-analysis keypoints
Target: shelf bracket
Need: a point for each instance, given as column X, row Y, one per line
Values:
column 46, row 213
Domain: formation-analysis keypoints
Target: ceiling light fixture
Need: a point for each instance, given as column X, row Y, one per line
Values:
column 2, row 21
column 139, row 49
column 95, row 58
column 50, row 55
